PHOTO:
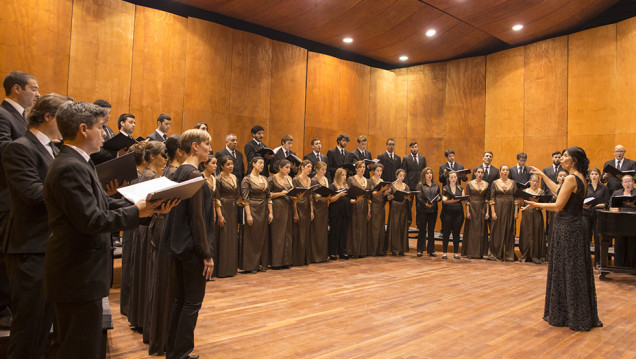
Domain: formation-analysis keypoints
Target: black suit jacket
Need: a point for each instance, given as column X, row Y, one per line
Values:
column 443, row 176
column 239, row 168
column 26, row 163
column 522, row 177
column 250, row 150
column 335, row 160
column 155, row 136
column 12, row 126
column 552, row 174
column 613, row 183
column 413, row 169
column 81, row 218
column 493, row 173
column 273, row 168
column 390, row 166
column 357, row 156
column 311, row 156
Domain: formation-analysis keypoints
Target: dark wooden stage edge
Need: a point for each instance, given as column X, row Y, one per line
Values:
column 395, row 307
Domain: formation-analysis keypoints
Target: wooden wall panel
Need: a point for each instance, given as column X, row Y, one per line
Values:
column 592, row 91
column 426, row 103
column 158, row 69
column 382, row 105
column 504, row 105
column 401, row 115
column 250, row 86
column 626, row 74
column 287, row 109
column 207, row 80
column 101, row 54
column 546, row 100
column 464, row 111
column 353, row 114
column 323, row 100
column 35, row 38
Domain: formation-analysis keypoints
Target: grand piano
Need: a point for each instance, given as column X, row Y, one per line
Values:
column 611, row 224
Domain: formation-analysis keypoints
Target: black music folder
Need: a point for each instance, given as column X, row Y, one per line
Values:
column 380, row 185
column 295, row 160
column 162, row 189
column 118, row 142
column 326, row 191
column 400, row 196
column 616, row 172
column 432, row 200
column 265, row 151
column 296, row 191
column 621, row 201
column 368, row 161
column 122, row 168
column 450, row 195
column 350, row 167
column 523, row 185
column 463, row 172
column 355, row 192
column 532, row 197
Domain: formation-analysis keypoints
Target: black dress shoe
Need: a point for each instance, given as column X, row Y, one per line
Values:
column 344, row 257
column 444, row 256
column 333, row 258
column 419, row 254
column 432, row 254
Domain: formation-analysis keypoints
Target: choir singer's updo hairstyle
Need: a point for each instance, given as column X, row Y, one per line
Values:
column 579, row 158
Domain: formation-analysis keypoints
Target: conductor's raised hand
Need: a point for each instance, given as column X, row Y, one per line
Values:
column 535, row 171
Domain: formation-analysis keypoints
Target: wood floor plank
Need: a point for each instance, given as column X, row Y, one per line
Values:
column 395, row 307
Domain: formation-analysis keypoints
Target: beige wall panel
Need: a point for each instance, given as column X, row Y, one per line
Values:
column 592, row 82
column 207, row 80
column 381, row 108
column 250, row 86
column 323, row 99
column 101, row 54
column 35, row 37
column 626, row 75
column 158, row 69
column 287, row 109
column 540, row 148
column 398, row 131
column 353, row 115
column 598, row 148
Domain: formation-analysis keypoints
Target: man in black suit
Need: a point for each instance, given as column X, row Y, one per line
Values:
column 520, row 172
column 81, row 217
column 413, row 164
column 620, row 163
column 361, row 153
column 449, row 166
column 491, row 173
column 390, row 161
column 251, row 148
column 163, row 126
column 26, row 162
column 105, row 155
column 552, row 171
column 231, row 142
column 126, row 124
column 21, row 92
column 285, row 152
column 315, row 155
column 339, row 156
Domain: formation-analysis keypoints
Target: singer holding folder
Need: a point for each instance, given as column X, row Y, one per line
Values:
column 188, row 232
column 452, row 214
column 532, row 231
column 81, row 218
column 303, row 210
column 360, row 214
column 426, row 215
column 475, row 242
column 376, row 233
column 504, row 211
column 398, row 228
column 320, row 225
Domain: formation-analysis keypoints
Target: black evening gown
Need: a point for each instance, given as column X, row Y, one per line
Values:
column 570, row 297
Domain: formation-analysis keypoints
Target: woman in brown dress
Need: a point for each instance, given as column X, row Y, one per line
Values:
column 303, row 210
column 475, row 242
column 376, row 233
column 281, row 227
column 226, row 197
column 258, row 214
column 504, row 209
column 532, row 231
column 339, row 216
column 320, row 225
column 360, row 215
column 398, row 228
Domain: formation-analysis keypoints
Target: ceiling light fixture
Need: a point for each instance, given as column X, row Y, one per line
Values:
column 347, row 40
column 404, row 58
column 517, row 27
column 431, row 33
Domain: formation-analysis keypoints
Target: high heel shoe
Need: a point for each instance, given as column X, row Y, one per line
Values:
column 444, row 256
column 457, row 256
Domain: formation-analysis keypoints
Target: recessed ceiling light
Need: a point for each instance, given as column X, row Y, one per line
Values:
column 347, row 40
column 517, row 27
column 404, row 58
column 431, row 33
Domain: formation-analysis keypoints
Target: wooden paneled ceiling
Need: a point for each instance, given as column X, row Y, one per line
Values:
column 384, row 30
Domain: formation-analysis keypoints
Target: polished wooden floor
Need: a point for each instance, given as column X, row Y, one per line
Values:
column 395, row 307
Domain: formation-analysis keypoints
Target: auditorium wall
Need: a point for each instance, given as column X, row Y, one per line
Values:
column 570, row 90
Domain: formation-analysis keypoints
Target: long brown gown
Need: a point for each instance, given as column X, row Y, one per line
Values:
column 376, row 233
column 398, row 229
column 502, row 239
column 302, row 229
column 281, row 227
column 475, row 241
column 320, row 225
column 255, row 252
column 226, row 251
column 357, row 235
column 532, row 234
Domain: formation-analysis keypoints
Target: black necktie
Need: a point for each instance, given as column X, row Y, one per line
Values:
column 24, row 114
column 619, row 165
column 165, row 137
column 54, row 149
column 391, row 155
column 487, row 170
column 415, row 159
column 234, row 154
column 342, row 153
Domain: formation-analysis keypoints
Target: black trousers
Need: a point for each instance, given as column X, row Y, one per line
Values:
column 5, row 290
column 338, row 226
column 78, row 330
column 452, row 221
column 32, row 314
column 426, row 226
column 625, row 252
column 590, row 221
column 190, row 290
